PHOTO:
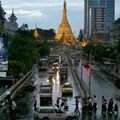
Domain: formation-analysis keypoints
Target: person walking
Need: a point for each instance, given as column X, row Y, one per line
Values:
column 110, row 106
column 57, row 102
column 76, row 104
column 104, row 106
column 90, row 104
column 95, row 102
column 116, row 107
column 66, row 106
column 35, row 103
column 103, row 101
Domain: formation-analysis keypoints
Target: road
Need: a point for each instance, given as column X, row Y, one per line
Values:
column 101, row 85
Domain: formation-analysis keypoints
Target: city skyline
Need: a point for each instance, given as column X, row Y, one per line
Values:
column 48, row 13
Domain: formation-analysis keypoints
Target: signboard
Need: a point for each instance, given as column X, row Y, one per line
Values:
column 3, row 54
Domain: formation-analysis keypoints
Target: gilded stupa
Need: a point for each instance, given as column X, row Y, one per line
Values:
column 36, row 34
column 64, row 27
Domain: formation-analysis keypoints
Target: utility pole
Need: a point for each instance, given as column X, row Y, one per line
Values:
column 89, row 82
column 81, row 68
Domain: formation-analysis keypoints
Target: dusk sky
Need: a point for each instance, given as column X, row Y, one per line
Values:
column 48, row 13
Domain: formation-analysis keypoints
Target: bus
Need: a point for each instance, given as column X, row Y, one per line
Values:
column 45, row 94
column 43, row 64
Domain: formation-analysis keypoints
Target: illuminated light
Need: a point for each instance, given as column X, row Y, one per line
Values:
column 48, row 80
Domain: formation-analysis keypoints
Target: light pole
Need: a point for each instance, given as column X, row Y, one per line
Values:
column 89, row 73
column 81, row 68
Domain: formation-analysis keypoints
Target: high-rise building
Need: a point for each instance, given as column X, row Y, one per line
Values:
column 98, row 16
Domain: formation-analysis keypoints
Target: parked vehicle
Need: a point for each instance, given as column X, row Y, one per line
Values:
column 53, row 113
column 67, row 89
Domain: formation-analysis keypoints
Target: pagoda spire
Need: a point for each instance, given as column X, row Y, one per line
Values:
column 64, row 19
column 36, row 34
column 64, row 26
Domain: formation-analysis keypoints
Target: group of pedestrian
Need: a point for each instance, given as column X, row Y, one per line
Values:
column 62, row 104
column 110, row 107
column 89, row 103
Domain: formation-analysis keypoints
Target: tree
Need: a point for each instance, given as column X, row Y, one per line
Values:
column 23, row 48
column 44, row 51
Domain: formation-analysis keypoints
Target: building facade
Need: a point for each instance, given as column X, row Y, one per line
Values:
column 7, row 26
column 99, row 16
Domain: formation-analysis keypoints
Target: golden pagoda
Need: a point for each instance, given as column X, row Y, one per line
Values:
column 64, row 27
column 36, row 34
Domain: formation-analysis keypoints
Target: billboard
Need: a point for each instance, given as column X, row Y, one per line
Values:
column 3, row 53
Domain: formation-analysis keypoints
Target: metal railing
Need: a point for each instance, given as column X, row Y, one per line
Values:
column 3, row 96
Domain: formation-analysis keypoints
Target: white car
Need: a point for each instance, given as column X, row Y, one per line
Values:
column 53, row 113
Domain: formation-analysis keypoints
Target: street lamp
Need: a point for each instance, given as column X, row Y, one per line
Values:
column 89, row 73
column 81, row 68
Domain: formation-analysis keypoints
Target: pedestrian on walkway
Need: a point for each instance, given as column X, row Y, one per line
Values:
column 76, row 104
column 90, row 104
column 57, row 102
column 95, row 102
column 66, row 106
column 110, row 106
column 104, row 107
column 103, row 101
column 35, row 103
column 116, row 107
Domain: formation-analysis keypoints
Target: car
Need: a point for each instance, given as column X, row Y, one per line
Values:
column 50, row 74
column 55, row 66
column 65, row 63
column 63, row 72
column 30, row 84
column 86, row 64
column 53, row 113
column 67, row 89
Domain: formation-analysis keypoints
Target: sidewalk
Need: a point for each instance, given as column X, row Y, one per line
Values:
column 109, row 71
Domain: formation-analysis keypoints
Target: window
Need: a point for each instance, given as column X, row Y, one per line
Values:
column 50, row 111
column 42, row 111
column 58, row 111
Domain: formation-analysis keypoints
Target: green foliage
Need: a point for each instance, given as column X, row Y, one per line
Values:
column 15, row 68
column 118, row 58
column 23, row 48
column 45, row 34
column 44, row 50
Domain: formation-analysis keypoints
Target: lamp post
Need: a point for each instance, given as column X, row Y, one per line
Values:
column 89, row 73
column 81, row 68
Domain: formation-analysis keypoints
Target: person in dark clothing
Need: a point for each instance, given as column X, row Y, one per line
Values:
column 76, row 104
column 104, row 107
column 57, row 103
column 35, row 103
column 110, row 106
column 90, row 104
column 116, row 107
column 95, row 102
column 103, row 101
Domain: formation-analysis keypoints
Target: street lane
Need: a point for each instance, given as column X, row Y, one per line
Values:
column 100, row 85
